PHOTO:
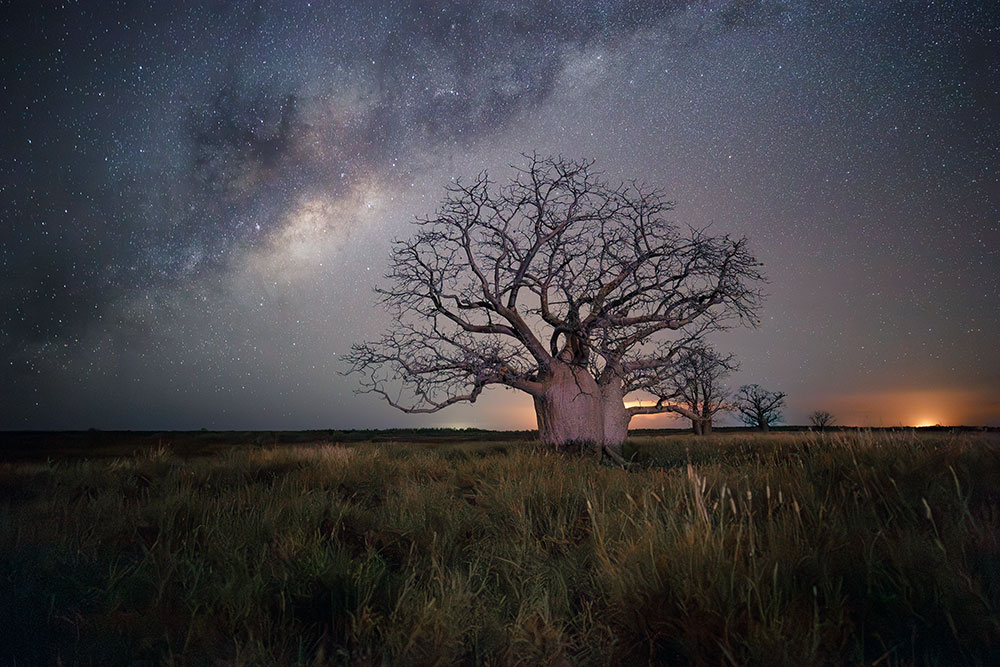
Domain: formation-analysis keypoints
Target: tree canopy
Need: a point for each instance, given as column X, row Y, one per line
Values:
column 555, row 268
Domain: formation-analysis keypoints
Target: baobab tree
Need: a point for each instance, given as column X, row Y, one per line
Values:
column 821, row 419
column 697, row 385
column 557, row 284
column 759, row 408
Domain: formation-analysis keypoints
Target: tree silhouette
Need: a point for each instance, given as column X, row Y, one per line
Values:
column 558, row 285
column 697, row 385
column 758, row 407
column 821, row 419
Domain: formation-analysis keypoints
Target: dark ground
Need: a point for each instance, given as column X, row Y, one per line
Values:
column 18, row 446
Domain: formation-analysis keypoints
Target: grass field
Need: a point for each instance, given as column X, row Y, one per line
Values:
column 780, row 549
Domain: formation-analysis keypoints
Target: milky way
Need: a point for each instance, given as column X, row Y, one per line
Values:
column 197, row 198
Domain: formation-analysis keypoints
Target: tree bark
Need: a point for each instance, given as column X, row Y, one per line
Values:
column 696, row 426
column 574, row 411
column 616, row 418
column 569, row 410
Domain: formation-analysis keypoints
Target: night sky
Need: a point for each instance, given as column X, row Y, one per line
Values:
column 197, row 198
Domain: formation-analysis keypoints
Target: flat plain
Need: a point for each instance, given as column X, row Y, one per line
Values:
column 846, row 547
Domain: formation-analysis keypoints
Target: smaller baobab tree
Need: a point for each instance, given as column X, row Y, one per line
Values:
column 758, row 407
column 821, row 419
column 697, row 385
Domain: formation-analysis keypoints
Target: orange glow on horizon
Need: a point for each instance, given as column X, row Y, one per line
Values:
column 914, row 407
column 886, row 408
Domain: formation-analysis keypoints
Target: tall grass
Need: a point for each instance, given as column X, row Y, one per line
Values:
column 734, row 549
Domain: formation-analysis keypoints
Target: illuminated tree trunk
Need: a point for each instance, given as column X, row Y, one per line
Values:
column 574, row 411
column 616, row 417
column 569, row 409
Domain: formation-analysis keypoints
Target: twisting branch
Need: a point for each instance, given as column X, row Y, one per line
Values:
column 556, row 267
column 758, row 407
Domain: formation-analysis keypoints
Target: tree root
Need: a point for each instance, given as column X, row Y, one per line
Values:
column 614, row 456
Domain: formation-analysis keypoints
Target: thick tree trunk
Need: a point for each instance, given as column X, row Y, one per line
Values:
column 701, row 426
column 575, row 411
column 616, row 418
column 569, row 410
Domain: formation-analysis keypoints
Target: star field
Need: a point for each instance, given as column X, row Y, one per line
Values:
column 197, row 198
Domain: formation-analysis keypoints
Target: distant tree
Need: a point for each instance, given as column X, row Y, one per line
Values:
column 758, row 407
column 821, row 419
column 559, row 285
column 697, row 385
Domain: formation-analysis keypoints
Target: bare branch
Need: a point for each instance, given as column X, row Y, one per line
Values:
column 556, row 267
column 661, row 408
column 758, row 407
column 821, row 419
